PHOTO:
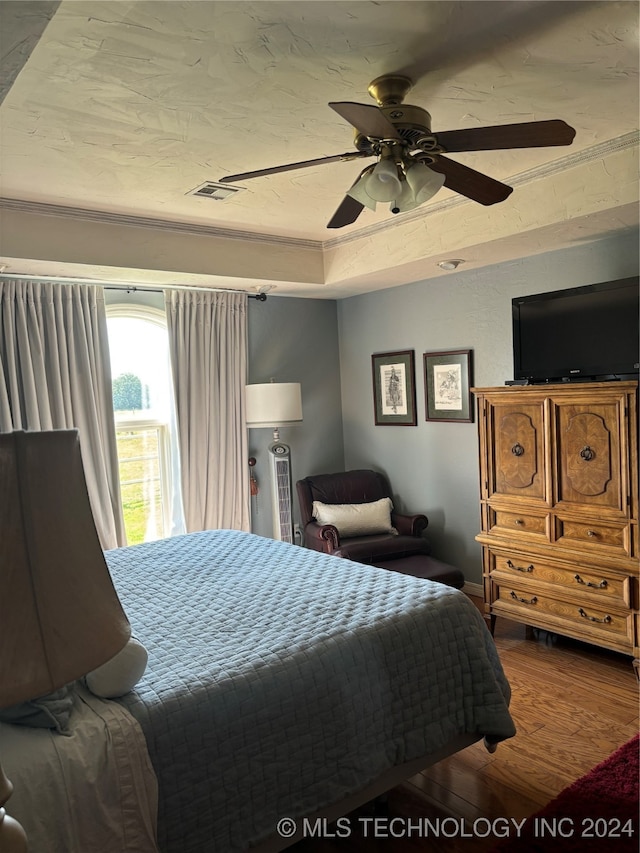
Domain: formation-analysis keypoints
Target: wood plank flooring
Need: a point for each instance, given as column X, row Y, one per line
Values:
column 573, row 705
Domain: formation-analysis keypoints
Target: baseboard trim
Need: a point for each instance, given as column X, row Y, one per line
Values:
column 474, row 589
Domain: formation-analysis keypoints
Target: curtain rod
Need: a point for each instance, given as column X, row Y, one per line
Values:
column 132, row 288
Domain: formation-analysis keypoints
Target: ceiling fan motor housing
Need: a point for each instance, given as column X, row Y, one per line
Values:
column 410, row 121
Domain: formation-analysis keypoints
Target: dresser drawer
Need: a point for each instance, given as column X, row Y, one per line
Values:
column 593, row 535
column 563, row 615
column 579, row 583
column 512, row 523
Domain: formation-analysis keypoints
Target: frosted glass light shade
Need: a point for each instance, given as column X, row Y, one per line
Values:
column 383, row 183
column 273, row 404
column 405, row 201
column 359, row 193
column 424, row 182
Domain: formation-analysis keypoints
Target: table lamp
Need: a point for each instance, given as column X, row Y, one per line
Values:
column 60, row 616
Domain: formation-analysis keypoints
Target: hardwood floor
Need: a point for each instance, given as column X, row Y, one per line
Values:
column 573, row 705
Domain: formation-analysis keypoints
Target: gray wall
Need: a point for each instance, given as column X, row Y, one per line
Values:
column 296, row 340
column 433, row 468
column 327, row 347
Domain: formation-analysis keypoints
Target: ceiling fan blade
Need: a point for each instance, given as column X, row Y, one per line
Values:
column 367, row 119
column 348, row 211
column 530, row 134
column 303, row 164
column 474, row 185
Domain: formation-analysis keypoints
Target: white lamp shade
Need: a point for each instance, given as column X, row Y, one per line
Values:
column 273, row 404
column 60, row 616
column 424, row 182
column 383, row 183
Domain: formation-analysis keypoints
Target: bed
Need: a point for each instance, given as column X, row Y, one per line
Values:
column 280, row 682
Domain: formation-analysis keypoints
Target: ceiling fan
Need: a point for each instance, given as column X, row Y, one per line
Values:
column 411, row 165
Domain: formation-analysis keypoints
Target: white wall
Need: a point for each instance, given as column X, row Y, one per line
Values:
column 433, row 467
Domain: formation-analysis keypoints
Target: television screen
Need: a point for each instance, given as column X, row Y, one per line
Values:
column 586, row 332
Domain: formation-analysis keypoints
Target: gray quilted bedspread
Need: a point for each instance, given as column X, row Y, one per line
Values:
column 281, row 679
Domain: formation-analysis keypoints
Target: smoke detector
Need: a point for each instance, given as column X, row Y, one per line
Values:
column 215, row 190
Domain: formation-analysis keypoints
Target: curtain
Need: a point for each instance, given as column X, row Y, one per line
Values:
column 208, row 346
column 55, row 374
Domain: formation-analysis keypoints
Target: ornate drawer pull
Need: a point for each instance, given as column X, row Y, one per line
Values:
column 601, row 585
column 604, row 621
column 519, row 568
column 533, row 600
column 517, row 449
column 587, row 453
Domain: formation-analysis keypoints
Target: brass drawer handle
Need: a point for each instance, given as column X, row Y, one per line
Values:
column 587, row 453
column 517, row 449
column 601, row 585
column 592, row 533
column 519, row 522
column 519, row 568
column 533, row 600
column 604, row 621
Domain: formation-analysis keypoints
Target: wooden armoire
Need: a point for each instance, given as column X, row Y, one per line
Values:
column 559, row 509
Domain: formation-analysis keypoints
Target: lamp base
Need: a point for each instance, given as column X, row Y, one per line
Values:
column 13, row 838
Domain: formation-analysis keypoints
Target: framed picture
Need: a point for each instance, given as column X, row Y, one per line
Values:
column 394, row 388
column 447, row 384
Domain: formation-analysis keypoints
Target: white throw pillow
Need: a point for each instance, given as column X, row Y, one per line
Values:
column 357, row 519
column 120, row 674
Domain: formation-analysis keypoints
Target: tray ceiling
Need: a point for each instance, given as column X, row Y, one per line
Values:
column 114, row 112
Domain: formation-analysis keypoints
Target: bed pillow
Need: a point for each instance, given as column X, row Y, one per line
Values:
column 46, row 712
column 357, row 519
column 121, row 673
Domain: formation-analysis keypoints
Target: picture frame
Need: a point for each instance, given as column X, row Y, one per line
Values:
column 394, row 388
column 447, row 386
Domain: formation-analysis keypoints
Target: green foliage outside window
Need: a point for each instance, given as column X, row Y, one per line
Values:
column 129, row 394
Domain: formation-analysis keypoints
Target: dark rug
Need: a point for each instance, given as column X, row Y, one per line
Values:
column 598, row 812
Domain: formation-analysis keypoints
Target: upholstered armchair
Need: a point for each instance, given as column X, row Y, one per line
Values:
column 354, row 518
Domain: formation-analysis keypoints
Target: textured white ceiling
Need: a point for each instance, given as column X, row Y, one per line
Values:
column 124, row 107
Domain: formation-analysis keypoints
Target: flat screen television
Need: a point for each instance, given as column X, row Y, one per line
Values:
column 582, row 333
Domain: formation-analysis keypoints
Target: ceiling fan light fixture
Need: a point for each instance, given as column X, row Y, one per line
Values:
column 359, row 192
column 404, row 201
column 383, row 184
column 424, row 182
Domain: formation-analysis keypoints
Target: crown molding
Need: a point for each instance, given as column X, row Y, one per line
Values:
column 107, row 218
column 595, row 152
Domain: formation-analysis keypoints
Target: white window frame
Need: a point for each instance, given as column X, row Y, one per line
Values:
column 132, row 423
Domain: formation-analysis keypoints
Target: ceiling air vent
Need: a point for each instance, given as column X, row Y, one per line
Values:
column 212, row 189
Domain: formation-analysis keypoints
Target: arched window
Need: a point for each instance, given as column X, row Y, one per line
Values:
column 145, row 422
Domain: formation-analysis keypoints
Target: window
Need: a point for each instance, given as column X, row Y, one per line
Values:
column 145, row 433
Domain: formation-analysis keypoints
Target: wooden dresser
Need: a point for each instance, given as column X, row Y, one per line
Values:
column 559, row 509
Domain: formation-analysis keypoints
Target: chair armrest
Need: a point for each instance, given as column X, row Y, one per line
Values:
column 321, row 537
column 409, row 525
